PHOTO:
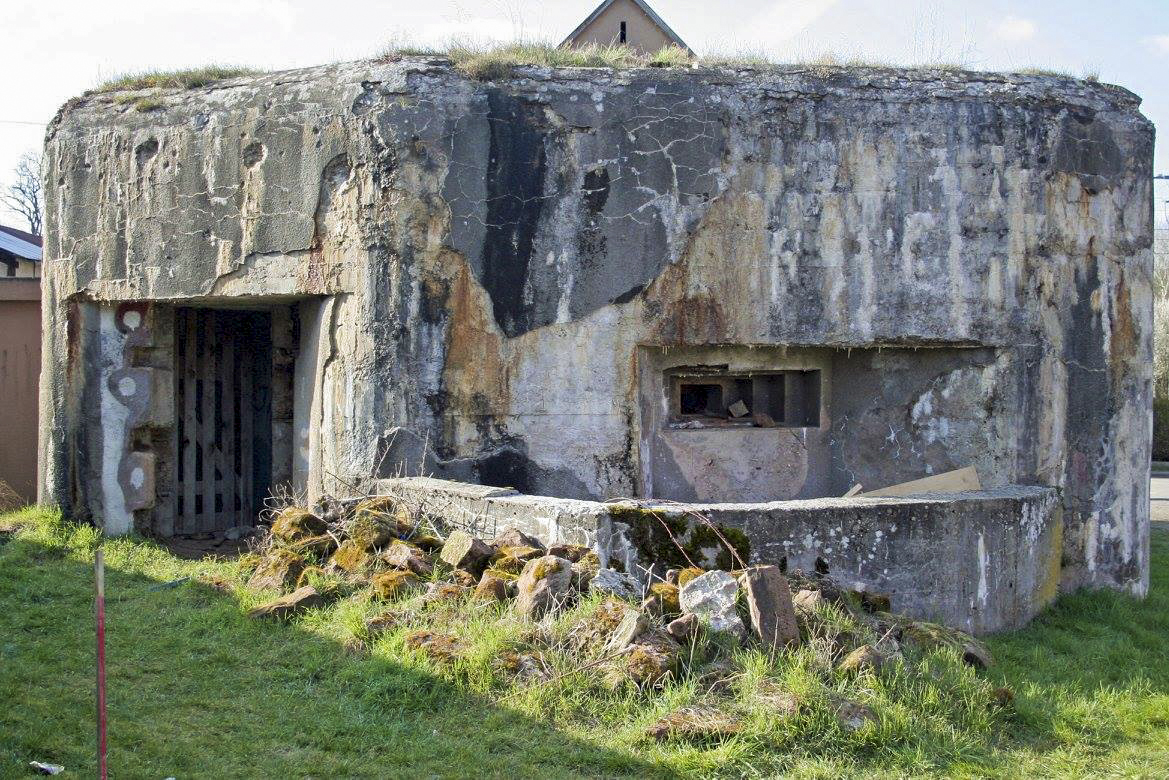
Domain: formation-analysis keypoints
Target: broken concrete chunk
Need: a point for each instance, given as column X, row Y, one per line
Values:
column 491, row 588
column 614, row 583
column 444, row 593
column 763, row 420
column 466, row 552
column 685, row 628
column 662, row 600
column 864, row 658
column 522, row 552
column 376, row 521
column 738, row 409
column 712, row 597
column 633, row 624
column 289, row 606
column 544, row 585
column 651, row 658
column 696, row 723
column 443, row 648
column 295, row 523
column 279, row 569
column 321, row 546
column 352, row 558
column 588, row 564
column 513, row 537
column 976, row 654
column 464, row 578
column 852, row 714
column 392, row 584
column 426, row 542
column 407, row 557
column 769, row 603
column 573, row 552
column 807, row 600
column 386, row 621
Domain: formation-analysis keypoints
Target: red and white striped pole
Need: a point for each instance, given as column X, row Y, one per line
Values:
column 99, row 571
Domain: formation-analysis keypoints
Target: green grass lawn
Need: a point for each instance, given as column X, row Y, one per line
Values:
column 198, row 690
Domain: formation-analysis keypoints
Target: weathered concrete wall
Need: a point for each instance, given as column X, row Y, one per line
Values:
column 483, row 270
column 981, row 562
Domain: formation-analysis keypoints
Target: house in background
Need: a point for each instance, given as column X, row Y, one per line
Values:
column 628, row 22
column 20, row 362
column 20, row 253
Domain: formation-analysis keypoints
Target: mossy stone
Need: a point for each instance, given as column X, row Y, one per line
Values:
column 308, row 574
column 663, row 599
column 392, row 584
column 521, row 553
column 509, row 564
column 443, row 648
column 319, row 547
column 279, row 569
column 352, row 557
column 502, row 574
column 671, row 540
column 294, row 523
column 427, row 542
column 491, row 589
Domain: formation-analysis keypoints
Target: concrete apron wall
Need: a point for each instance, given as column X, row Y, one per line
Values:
column 982, row 561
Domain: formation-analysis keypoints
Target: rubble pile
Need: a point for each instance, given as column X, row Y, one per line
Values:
column 630, row 630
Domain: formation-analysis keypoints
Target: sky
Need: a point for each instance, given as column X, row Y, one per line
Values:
column 55, row 49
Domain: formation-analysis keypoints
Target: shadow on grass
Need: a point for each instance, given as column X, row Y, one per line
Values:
column 197, row 689
column 1092, row 662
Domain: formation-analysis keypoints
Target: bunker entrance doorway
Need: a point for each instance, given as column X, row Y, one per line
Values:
column 223, row 417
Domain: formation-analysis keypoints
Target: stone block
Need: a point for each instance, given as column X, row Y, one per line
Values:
column 769, row 603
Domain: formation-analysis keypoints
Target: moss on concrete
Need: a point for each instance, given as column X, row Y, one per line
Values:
column 678, row 541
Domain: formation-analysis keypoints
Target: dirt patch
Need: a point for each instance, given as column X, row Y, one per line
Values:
column 192, row 549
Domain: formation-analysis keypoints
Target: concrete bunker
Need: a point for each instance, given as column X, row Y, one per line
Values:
column 738, row 289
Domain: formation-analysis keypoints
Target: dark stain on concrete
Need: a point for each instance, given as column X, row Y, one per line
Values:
column 515, row 196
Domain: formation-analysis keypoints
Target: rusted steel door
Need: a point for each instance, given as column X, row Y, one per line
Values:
column 223, row 417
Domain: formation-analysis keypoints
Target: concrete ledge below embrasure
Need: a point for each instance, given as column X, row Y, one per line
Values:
column 981, row 561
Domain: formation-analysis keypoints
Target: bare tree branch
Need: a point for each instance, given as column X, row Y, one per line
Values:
column 24, row 195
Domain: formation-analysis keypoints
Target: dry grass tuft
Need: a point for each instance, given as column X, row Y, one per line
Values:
column 10, row 500
column 487, row 62
column 191, row 78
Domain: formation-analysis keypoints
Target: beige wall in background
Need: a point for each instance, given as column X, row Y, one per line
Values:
column 20, row 368
column 641, row 33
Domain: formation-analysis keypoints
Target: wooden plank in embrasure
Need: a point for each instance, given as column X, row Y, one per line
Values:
column 190, row 425
column 246, row 407
column 207, row 430
column 228, row 375
column 179, row 406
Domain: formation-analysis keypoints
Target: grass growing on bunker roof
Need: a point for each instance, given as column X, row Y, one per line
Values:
column 197, row 689
column 487, row 61
column 190, row 78
column 490, row 61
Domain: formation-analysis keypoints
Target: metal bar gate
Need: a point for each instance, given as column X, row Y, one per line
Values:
column 223, row 416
